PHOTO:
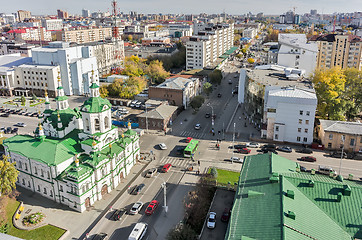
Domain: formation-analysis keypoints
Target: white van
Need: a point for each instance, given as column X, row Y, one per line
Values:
column 139, row 231
column 326, row 170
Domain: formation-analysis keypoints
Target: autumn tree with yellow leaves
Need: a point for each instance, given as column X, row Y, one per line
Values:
column 8, row 175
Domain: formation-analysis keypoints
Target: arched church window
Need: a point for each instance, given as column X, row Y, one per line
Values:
column 87, row 124
column 96, row 124
column 106, row 122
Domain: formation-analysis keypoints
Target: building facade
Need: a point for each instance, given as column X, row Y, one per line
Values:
column 52, row 24
column 84, row 35
column 76, row 156
column 22, row 15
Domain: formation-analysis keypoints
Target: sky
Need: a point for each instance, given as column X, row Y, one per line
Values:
column 49, row 7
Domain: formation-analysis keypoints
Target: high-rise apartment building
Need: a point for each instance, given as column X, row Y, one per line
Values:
column 86, row 13
column 339, row 51
column 62, row 14
column 84, row 35
column 22, row 14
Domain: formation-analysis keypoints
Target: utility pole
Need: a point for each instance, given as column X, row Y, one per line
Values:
column 340, row 163
column 232, row 159
column 164, row 197
column 146, row 118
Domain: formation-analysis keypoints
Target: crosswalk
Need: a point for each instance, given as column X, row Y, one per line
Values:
column 198, row 135
column 176, row 161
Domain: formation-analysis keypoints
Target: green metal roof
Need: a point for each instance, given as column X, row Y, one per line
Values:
column 61, row 98
column 95, row 105
column 94, row 85
column 66, row 116
column 260, row 209
column 49, row 151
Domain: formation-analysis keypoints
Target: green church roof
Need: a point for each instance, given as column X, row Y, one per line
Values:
column 61, row 98
column 66, row 116
column 94, row 85
column 95, row 105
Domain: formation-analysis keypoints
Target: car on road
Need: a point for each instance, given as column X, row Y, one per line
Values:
column 308, row 159
column 151, row 172
column 151, row 207
column 236, row 159
column 219, row 95
column 136, row 208
column 162, row 146
column 211, row 220
column 243, row 150
column 137, row 189
column 305, row 150
column 188, row 139
column 8, row 130
column 239, row 146
column 20, row 124
column 100, row 236
column 326, row 170
column 118, row 214
column 253, row 145
column 207, row 115
column 338, row 154
column 285, row 149
column 5, row 115
column 166, row 167
column 180, row 150
column 225, row 215
column 269, row 146
column 133, row 103
column 198, row 126
column 303, row 169
column 15, row 130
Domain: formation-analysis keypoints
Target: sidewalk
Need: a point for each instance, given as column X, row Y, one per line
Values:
column 75, row 222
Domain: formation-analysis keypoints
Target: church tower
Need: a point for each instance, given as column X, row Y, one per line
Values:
column 61, row 99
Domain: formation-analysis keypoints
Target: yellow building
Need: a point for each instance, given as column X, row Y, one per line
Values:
column 84, row 35
column 332, row 133
column 338, row 51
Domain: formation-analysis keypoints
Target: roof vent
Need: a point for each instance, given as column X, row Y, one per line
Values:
column 311, row 183
column 290, row 193
column 291, row 215
column 339, row 197
column 347, row 190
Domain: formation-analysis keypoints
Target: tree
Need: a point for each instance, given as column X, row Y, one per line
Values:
column 8, row 175
column 329, row 86
column 215, row 76
column 127, row 88
column 213, row 172
column 353, row 92
column 197, row 102
column 103, row 91
column 156, row 72
column 181, row 232
column 23, row 100
column 251, row 60
column 130, row 38
column 207, row 87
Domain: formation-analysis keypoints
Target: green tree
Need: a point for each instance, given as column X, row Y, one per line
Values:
column 197, row 102
column 103, row 91
column 353, row 92
column 23, row 100
column 215, row 76
column 130, row 38
column 156, row 72
column 181, row 232
column 207, row 87
column 8, row 175
column 213, row 172
column 329, row 86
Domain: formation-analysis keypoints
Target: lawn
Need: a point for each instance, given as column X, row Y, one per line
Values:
column 225, row 176
column 47, row 232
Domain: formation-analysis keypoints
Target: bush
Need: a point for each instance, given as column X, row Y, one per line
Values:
column 197, row 102
column 181, row 232
column 213, row 172
column 33, row 219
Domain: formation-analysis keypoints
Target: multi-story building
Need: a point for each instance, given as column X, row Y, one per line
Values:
column 29, row 34
column 52, row 24
column 289, row 114
column 76, row 156
column 250, row 33
column 62, row 14
column 8, row 18
column 180, row 30
column 295, row 52
column 211, row 42
column 10, row 47
column 342, row 51
column 22, row 15
column 84, row 35
column 86, row 13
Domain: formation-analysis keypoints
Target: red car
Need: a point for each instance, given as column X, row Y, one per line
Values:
column 166, row 167
column 151, row 207
column 244, row 151
column 225, row 215
column 308, row 159
column 188, row 139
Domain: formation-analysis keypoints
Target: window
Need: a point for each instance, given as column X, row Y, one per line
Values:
column 360, row 140
column 331, row 137
column 26, row 166
column 20, row 165
column 299, row 130
column 305, row 139
column 60, row 188
column 276, row 136
column 306, row 130
column 62, row 198
column 41, row 173
column 307, row 122
column 23, row 181
column 277, row 128
column 300, row 112
column 352, row 141
column 29, row 184
column 96, row 124
column 38, row 188
column 298, row 139
column 308, row 113
column 300, row 121
column 48, row 175
column 45, row 191
column 106, row 122
column 51, row 193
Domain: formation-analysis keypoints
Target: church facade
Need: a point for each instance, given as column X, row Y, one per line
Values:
column 76, row 156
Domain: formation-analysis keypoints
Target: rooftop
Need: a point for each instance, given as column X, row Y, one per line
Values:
column 7, row 62
column 161, row 112
column 175, row 83
column 353, row 128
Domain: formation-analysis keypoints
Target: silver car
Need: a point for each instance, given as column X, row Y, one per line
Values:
column 136, row 208
column 151, row 172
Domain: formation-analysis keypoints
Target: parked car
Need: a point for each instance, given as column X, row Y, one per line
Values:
column 308, row 159
column 188, row 139
column 225, row 215
column 198, row 126
column 15, row 130
column 211, row 221
column 137, row 189
column 180, row 150
column 239, row 146
column 219, row 95
column 34, row 115
column 151, row 172
column 230, row 82
column 207, row 115
column 8, row 130
column 236, row 159
column 136, row 208
column 133, row 103
column 244, row 150
column 162, row 146
column 326, row 170
column 266, row 150
column 166, row 167
column 151, row 207
column 100, row 236
column 20, row 124
column 285, row 149
column 338, row 154
column 253, row 145
column 305, row 150
column 5, row 115
column 118, row 214
column 303, row 169
column 269, row 146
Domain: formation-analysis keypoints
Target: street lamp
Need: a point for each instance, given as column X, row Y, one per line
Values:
column 343, row 137
column 146, row 118
column 232, row 159
column 212, row 115
column 163, row 185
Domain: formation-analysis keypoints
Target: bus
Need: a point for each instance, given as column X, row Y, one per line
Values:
column 191, row 148
column 138, row 231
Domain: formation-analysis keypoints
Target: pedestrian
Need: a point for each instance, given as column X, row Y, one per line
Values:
column 198, row 162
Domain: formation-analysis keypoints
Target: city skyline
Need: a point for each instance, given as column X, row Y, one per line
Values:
column 232, row 7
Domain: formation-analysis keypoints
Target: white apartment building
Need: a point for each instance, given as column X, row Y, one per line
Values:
column 295, row 52
column 30, row 34
column 203, row 49
column 250, row 33
column 289, row 114
column 52, row 24
column 76, row 64
column 180, row 30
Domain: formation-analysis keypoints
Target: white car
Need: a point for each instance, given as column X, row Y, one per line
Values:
column 136, row 208
column 198, row 126
column 253, row 145
column 162, row 146
column 236, row 159
column 151, row 172
column 211, row 221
